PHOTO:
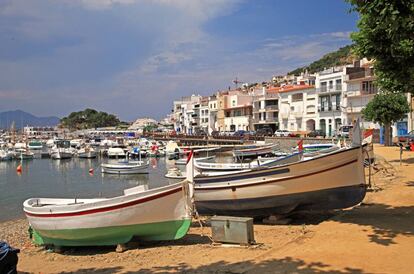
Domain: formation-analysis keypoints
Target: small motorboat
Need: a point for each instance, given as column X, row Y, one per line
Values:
column 35, row 145
column 6, row 155
column 61, row 150
column 87, row 153
column 25, row 155
column 258, row 163
column 175, row 173
column 183, row 161
column 116, row 152
column 126, row 167
column 254, row 151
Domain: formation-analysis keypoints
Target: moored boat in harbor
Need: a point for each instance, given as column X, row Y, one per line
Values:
column 254, row 151
column 126, row 167
column 87, row 153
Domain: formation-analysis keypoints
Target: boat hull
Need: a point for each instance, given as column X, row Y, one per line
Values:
column 332, row 181
column 101, row 236
column 254, row 152
column 88, row 155
column 61, row 155
column 126, row 170
column 327, row 199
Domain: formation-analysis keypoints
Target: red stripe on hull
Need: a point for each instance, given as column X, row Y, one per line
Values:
column 104, row 209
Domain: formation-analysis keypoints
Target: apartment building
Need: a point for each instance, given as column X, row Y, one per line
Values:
column 265, row 109
column 187, row 113
column 360, row 90
column 236, row 107
column 212, row 114
column 297, row 107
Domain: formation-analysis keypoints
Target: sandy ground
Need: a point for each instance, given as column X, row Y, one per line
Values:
column 374, row 237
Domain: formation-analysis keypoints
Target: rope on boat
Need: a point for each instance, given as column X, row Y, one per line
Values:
column 369, row 167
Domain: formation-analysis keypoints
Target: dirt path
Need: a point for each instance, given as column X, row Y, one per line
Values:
column 375, row 237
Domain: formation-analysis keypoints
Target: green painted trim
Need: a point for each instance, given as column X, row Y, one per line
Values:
column 162, row 231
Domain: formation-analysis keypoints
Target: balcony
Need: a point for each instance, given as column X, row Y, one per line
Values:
column 297, row 115
column 354, row 109
column 332, row 89
column 359, row 93
column 267, row 96
column 368, row 73
column 272, row 108
column 284, row 115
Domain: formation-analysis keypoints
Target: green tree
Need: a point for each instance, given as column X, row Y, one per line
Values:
column 386, row 108
column 386, row 34
column 89, row 118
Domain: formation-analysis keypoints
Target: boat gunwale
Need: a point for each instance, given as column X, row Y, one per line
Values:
column 264, row 169
column 142, row 198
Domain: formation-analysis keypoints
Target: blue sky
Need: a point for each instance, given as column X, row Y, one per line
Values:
column 134, row 57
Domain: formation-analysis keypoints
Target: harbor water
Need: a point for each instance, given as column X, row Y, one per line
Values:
column 68, row 179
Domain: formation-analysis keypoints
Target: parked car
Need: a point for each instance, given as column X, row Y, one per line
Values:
column 215, row 133
column 239, row 133
column 317, row 133
column 344, row 131
column 282, row 133
column 265, row 131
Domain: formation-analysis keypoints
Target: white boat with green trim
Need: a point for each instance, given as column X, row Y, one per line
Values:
column 157, row 214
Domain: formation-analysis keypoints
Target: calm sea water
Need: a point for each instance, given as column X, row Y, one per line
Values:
column 68, row 179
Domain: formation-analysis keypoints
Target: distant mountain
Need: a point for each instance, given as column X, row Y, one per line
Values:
column 22, row 119
column 342, row 56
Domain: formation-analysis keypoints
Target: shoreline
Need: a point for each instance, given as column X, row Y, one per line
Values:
column 341, row 242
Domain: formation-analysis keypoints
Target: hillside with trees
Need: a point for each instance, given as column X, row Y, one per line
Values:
column 89, row 118
column 342, row 56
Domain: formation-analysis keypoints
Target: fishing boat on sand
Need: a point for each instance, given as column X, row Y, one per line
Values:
column 157, row 214
column 331, row 181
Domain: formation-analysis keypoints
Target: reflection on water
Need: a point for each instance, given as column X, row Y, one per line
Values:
column 68, row 178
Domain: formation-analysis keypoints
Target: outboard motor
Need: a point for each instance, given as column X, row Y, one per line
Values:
column 8, row 258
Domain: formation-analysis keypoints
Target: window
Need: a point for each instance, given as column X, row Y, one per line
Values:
column 297, row 97
column 325, row 103
column 338, row 84
column 330, row 84
column 233, row 103
column 323, row 86
column 338, row 102
column 368, row 87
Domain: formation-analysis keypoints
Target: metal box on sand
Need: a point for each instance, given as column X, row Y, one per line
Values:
column 226, row 229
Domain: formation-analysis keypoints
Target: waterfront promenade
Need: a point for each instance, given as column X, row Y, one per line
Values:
column 375, row 237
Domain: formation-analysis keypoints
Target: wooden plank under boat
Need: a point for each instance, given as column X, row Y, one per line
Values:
column 331, row 181
column 157, row 214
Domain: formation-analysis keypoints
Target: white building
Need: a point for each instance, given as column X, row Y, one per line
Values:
column 238, row 111
column 298, row 107
column 212, row 112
